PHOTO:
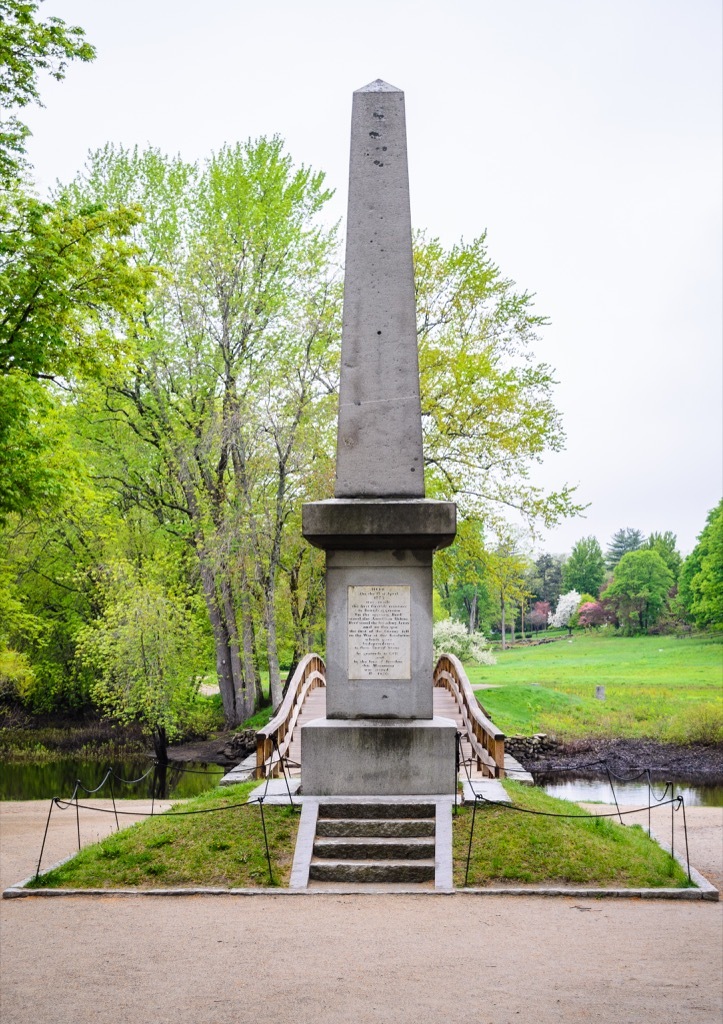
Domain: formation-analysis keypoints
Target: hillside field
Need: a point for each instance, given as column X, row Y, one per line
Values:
column 658, row 687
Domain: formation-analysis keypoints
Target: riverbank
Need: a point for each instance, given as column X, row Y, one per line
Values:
column 49, row 738
column 694, row 762
column 43, row 739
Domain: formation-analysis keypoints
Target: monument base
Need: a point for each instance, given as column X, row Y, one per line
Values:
column 378, row 757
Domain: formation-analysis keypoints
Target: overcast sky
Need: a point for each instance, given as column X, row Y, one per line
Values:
column 583, row 135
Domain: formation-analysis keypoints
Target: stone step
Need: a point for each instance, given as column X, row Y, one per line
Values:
column 363, row 848
column 371, row 871
column 374, row 827
column 376, row 810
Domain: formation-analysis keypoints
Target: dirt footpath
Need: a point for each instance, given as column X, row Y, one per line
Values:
column 360, row 959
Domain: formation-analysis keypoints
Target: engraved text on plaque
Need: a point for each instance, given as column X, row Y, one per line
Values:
column 379, row 632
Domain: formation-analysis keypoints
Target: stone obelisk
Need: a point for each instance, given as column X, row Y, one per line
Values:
column 379, row 736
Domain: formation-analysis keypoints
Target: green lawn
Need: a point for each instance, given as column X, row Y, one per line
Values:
column 511, row 846
column 657, row 687
column 218, row 849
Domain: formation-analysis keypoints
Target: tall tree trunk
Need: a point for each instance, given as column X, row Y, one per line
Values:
column 472, row 614
column 247, row 635
column 224, row 671
column 239, row 682
column 272, row 650
column 504, row 628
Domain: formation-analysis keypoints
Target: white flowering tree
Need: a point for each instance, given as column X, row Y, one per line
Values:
column 451, row 637
column 566, row 608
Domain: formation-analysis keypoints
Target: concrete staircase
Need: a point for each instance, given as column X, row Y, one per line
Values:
column 374, row 843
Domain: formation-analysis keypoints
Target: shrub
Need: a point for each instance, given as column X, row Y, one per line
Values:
column 451, row 637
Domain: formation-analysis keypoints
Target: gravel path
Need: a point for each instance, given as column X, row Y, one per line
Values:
column 362, row 959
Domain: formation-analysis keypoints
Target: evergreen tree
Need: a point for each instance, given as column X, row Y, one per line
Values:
column 622, row 542
column 545, row 578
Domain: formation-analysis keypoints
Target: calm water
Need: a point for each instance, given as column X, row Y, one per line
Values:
column 43, row 781
column 598, row 791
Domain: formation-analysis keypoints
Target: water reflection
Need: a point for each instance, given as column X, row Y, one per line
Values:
column 43, row 781
column 597, row 790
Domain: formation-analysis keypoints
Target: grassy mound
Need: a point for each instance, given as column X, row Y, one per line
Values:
column 510, row 846
column 217, row 849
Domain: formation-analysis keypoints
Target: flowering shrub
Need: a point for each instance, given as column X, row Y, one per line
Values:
column 591, row 613
column 450, row 637
column 566, row 608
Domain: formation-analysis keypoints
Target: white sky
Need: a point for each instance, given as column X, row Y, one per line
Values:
column 584, row 136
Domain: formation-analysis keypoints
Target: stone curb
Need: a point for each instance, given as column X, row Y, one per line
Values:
column 710, row 894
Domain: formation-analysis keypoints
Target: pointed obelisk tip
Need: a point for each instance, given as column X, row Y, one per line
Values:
column 378, row 85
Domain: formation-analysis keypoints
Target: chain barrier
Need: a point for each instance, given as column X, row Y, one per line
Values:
column 110, row 775
column 676, row 803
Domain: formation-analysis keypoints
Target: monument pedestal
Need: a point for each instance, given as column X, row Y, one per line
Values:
column 379, row 737
column 378, row 757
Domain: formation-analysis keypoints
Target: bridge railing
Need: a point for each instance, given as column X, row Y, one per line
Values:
column 486, row 740
column 274, row 740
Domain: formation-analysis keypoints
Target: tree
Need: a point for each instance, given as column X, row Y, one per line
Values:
column 460, row 577
column 506, row 568
column 701, row 577
column 591, row 613
column 639, row 589
column 67, row 277
column 147, row 654
column 540, row 615
column 224, row 425
column 545, row 578
column 623, row 541
column 585, row 569
column 666, row 546
column 487, row 406
column 28, row 47
column 566, row 608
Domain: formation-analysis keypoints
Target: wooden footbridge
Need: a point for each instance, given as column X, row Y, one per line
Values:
column 278, row 744
column 362, row 841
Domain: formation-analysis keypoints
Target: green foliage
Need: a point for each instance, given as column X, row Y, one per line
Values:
column 28, row 47
column 487, row 406
column 639, row 589
column 511, row 846
column 621, row 543
column 659, row 687
column 544, row 579
column 225, row 424
column 701, row 577
column 68, row 281
column 460, row 573
column 584, row 570
column 215, row 849
column 16, row 675
column 37, row 463
column 666, row 546
column 147, row 653
column 68, row 278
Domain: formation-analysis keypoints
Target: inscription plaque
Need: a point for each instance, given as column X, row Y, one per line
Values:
column 379, row 632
